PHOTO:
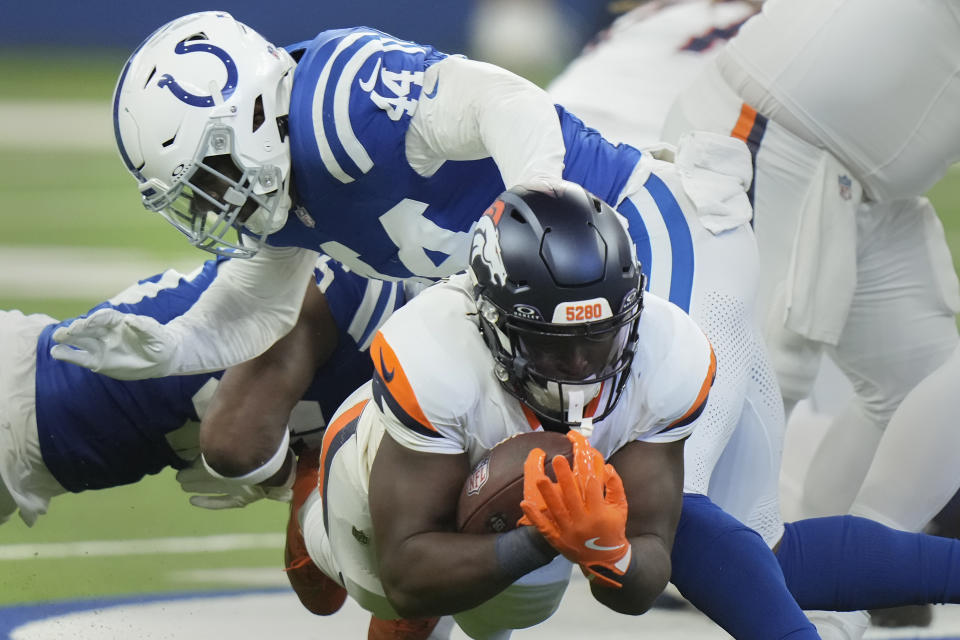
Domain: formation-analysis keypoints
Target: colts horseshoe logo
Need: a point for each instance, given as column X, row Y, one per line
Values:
column 201, row 101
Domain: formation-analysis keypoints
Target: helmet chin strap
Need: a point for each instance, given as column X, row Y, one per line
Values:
column 264, row 221
column 575, row 404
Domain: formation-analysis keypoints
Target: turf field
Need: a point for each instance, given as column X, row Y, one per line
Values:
column 76, row 209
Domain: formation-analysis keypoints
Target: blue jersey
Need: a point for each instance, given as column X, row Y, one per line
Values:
column 97, row 432
column 354, row 93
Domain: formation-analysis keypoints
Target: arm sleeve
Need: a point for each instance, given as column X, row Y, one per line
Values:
column 471, row 110
column 251, row 304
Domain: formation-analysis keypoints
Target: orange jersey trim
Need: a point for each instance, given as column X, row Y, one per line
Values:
column 387, row 364
column 330, row 435
column 748, row 116
column 697, row 406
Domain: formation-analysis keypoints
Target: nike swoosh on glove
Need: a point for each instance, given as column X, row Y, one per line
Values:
column 120, row 345
column 588, row 527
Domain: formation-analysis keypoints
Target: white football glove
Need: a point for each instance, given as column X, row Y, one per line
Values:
column 250, row 305
column 214, row 493
column 121, row 345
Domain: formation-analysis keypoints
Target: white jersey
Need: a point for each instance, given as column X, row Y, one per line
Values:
column 624, row 83
column 875, row 81
column 434, row 389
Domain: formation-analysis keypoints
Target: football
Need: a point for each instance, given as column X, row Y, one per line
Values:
column 490, row 498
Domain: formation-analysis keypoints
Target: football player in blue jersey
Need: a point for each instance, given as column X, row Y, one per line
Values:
column 68, row 429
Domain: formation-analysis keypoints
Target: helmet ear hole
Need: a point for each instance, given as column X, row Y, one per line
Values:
column 258, row 116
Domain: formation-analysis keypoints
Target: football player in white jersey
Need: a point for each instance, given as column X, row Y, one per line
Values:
column 550, row 329
column 854, row 262
column 501, row 350
column 624, row 82
column 905, row 292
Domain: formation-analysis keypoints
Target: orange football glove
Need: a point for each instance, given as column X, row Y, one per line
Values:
column 587, row 461
column 532, row 471
column 588, row 528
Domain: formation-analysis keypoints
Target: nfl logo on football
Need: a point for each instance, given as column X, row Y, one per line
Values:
column 478, row 477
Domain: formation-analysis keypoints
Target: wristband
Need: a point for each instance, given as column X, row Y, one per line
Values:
column 521, row 551
column 264, row 472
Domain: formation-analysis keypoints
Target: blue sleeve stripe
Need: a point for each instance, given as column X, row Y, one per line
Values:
column 339, row 95
column 681, row 242
column 386, row 305
column 639, row 235
column 365, row 310
column 331, row 129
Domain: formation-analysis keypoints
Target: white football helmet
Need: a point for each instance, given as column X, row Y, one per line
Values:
column 199, row 113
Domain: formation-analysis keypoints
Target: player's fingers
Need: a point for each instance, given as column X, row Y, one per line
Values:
column 593, row 493
column 532, row 471
column 553, row 501
column 569, row 487
column 533, row 465
column 614, row 485
column 582, row 465
column 72, row 355
column 540, row 519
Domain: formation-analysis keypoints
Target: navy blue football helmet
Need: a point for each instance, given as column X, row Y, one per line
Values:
column 559, row 292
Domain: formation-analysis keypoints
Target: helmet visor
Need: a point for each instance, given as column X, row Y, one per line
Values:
column 574, row 354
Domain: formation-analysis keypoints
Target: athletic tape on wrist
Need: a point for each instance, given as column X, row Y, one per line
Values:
column 261, row 473
column 518, row 552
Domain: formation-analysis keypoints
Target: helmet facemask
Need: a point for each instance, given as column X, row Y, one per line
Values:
column 215, row 195
column 558, row 370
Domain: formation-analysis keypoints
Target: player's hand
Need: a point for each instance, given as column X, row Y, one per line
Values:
column 586, row 462
column 215, row 493
column 588, row 527
column 121, row 345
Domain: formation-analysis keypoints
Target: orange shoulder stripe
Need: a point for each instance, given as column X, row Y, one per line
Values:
column 387, row 364
column 704, row 391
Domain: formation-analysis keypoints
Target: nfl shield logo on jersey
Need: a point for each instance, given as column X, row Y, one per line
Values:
column 845, row 183
column 478, row 477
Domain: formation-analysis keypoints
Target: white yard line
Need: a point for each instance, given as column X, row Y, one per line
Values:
column 146, row 546
column 60, row 126
column 79, row 273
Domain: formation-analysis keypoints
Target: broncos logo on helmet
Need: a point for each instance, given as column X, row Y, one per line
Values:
column 486, row 248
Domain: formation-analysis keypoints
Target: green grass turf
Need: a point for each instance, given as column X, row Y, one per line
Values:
column 152, row 508
column 62, row 76
column 79, row 199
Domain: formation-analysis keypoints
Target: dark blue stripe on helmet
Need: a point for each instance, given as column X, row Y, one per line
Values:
column 116, row 124
column 681, row 243
column 116, row 105
column 638, row 233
